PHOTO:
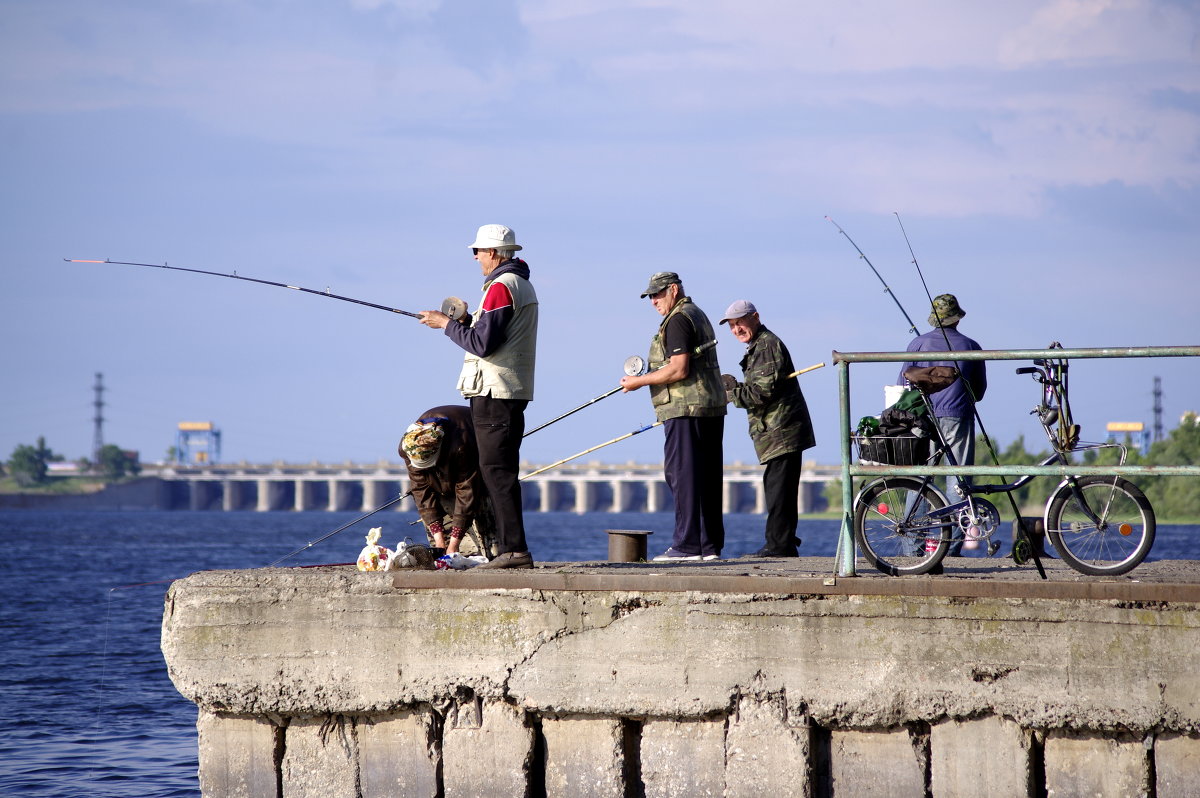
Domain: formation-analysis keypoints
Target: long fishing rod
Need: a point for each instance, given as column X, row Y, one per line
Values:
column 592, row 449
column 236, row 276
column 341, row 528
column 887, row 289
column 648, row 426
column 635, row 366
column 1021, row 534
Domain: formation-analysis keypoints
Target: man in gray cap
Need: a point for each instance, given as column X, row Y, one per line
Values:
column 953, row 407
column 779, row 422
column 497, row 377
column 685, row 387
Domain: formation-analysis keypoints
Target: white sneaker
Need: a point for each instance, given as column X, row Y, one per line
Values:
column 710, row 557
column 673, row 555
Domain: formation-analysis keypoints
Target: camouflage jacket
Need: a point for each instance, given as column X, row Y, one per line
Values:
column 774, row 405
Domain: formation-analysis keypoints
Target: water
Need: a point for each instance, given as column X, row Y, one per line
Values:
column 86, row 708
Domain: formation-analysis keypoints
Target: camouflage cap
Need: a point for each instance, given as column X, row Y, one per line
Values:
column 945, row 311
column 659, row 281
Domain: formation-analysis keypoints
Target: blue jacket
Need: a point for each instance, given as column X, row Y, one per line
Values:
column 952, row 402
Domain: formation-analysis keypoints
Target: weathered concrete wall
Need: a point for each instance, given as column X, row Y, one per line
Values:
column 333, row 682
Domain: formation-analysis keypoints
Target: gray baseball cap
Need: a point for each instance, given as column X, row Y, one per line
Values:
column 738, row 309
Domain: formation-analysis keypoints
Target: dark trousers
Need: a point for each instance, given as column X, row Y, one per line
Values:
column 499, row 425
column 781, row 483
column 694, row 468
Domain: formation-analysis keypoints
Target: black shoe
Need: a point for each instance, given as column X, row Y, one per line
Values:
column 509, row 559
column 766, row 552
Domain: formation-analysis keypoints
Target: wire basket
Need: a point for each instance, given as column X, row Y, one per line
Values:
column 902, row 450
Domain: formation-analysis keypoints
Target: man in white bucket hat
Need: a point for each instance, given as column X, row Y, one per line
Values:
column 500, row 342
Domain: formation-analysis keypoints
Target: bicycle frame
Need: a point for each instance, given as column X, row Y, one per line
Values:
column 1054, row 414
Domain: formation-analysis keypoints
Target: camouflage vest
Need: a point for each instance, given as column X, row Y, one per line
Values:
column 700, row 393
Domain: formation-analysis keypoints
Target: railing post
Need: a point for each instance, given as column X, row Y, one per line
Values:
column 845, row 550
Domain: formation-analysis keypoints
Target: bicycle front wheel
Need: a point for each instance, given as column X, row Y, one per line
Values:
column 1104, row 529
column 893, row 527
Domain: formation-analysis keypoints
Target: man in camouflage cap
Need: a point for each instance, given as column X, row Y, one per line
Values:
column 685, row 387
column 953, row 407
column 779, row 422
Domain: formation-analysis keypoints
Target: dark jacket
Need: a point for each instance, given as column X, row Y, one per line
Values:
column 453, row 486
column 775, row 407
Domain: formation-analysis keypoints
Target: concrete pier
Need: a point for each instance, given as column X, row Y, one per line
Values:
column 734, row 678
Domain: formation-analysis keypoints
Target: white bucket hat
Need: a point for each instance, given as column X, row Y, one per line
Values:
column 495, row 236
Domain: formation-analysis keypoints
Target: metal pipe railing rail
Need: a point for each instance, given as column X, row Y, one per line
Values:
column 842, row 360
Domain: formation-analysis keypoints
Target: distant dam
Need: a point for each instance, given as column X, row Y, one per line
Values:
column 581, row 488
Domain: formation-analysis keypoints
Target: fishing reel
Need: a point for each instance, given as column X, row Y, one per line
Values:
column 455, row 308
column 635, row 366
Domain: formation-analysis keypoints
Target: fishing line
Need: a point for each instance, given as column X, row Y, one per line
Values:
column 974, row 401
column 236, row 276
column 104, row 658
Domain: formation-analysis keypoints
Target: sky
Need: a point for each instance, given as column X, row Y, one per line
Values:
column 1043, row 156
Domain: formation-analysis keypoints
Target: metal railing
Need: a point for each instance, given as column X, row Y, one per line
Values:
column 850, row 469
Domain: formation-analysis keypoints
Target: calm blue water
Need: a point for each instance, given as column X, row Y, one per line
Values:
column 86, row 708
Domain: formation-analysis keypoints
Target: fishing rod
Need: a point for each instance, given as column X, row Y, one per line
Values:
column 805, row 370
column 342, row 528
column 635, row 366
column 1021, row 534
column 594, row 448
column 887, row 289
column 236, row 276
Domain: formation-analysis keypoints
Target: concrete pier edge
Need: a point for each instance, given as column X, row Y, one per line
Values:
column 748, row 678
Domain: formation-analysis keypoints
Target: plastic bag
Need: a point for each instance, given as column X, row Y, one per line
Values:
column 458, row 562
column 410, row 555
column 374, row 557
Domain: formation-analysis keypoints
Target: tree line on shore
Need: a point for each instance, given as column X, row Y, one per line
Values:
column 29, row 466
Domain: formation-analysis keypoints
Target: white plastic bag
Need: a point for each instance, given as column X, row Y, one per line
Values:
column 458, row 562
column 374, row 557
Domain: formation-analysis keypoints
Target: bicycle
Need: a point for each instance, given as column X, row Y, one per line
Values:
column 1099, row 525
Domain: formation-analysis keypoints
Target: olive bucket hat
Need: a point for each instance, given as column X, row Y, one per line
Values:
column 945, row 311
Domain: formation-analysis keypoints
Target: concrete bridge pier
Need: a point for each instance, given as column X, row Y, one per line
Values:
column 304, row 496
column 200, row 495
column 548, row 496
column 656, row 496
column 622, row 492
column 584, row 492
column 231, row 497
column 270, row 495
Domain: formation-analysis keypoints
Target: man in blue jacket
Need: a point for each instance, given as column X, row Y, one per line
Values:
column 953, row 407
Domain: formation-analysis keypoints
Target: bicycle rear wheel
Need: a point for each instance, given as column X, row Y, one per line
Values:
column 1109, row 536
column 892, row 529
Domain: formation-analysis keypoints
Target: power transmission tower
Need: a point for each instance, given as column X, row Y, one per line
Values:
column 1158, row 431
column 98, row 419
